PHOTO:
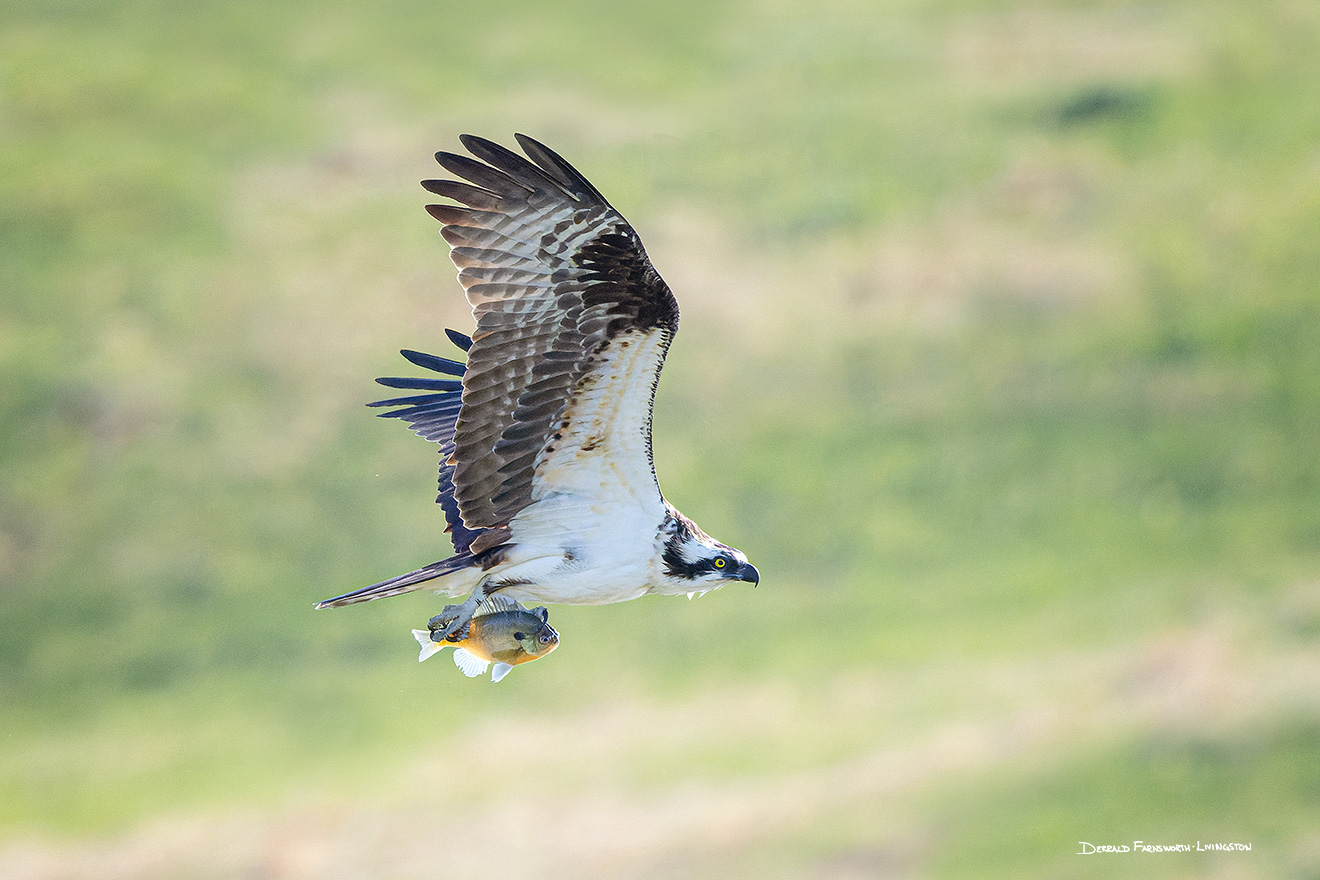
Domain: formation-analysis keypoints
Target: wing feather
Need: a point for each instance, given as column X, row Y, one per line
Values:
column 483, row 175
column 554, row 164
column 511, row 163
column 438, row 364
column 465, row 193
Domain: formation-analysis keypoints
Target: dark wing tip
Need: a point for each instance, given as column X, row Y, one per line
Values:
column 461, row 340
column 558, row 167
column 476, row 145
column 490, row 177
column 421, row 384
column 530, row 174
column 466, row 193
column 434, row 363
column 440, row 395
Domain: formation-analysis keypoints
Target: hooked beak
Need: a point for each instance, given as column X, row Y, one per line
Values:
column 747, row 572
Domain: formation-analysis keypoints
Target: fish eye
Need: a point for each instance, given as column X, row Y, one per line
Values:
column 547, row 638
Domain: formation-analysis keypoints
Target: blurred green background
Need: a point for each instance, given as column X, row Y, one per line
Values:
column 1000, row 358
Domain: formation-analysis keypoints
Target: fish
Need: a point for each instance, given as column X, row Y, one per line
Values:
column 502, row 632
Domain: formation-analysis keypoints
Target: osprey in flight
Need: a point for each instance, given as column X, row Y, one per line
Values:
column 546, row 476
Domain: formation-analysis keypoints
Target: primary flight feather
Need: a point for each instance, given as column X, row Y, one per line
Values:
column 547, row 480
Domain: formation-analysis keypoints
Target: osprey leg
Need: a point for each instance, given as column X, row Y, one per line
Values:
column 454, row 619
column 436, row 625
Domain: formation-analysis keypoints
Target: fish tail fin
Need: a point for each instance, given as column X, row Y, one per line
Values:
column 423, row 637
column 403, row 583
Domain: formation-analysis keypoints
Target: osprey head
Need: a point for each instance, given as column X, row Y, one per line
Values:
column 696, row 562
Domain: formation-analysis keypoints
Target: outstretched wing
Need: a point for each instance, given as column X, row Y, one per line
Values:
column 573, row 324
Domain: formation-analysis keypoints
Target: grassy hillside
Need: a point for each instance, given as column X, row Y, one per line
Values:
column 1000, row 358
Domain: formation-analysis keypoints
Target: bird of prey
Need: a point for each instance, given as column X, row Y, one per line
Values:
column 547, row 480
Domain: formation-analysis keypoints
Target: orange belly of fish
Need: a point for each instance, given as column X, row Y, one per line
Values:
column 476, row 645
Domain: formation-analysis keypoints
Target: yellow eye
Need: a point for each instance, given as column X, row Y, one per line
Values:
column 720, row 562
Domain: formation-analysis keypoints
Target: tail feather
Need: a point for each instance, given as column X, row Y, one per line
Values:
column 404, row 583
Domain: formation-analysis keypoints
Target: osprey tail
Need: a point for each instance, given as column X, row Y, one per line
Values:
column 404, row 583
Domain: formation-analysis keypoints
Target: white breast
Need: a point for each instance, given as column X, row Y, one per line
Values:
column 590, row 535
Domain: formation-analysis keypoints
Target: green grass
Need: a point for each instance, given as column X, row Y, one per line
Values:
column 1001, row 353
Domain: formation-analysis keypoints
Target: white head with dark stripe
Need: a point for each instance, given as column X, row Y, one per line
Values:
column 696, row 562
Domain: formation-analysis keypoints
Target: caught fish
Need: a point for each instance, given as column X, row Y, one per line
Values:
column 502, row 632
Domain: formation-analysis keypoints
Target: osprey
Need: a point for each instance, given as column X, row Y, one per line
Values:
column 547, row 480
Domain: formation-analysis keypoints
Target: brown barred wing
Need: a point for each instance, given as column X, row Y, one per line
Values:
column 556, row 278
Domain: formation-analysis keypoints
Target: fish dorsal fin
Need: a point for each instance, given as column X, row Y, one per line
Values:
column 495, row 604
column 500, row 670
column 470, row 664
column 423, row 637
